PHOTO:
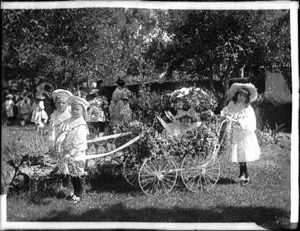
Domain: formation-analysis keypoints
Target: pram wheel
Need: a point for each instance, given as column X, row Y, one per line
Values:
column 157, row 175
column 130, row 170
column 200, row 172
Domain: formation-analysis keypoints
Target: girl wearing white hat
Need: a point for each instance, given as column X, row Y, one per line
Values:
column 62, row 112
column 73, row 146
column 244, row 144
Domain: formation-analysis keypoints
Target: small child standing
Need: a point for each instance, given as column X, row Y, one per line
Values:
column 73, row 146
column 39, row 116
column 62, row 112
column 9, row 108
column 244, row 144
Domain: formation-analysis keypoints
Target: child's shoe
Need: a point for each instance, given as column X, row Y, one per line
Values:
column 246, row 181
column 240, row 179
column 74, row 199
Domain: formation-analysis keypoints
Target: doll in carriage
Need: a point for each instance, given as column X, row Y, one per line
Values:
column 184, row 123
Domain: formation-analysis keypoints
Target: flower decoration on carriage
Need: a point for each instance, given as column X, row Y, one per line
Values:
column 195, row 97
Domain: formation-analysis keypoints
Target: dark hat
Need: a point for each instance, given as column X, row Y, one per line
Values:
column 120, row 82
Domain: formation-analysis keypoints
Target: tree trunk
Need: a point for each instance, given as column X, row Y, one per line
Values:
column 225, row 82
column 211, row 83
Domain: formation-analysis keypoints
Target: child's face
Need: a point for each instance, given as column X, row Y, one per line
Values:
column 179, row 104
column 61, row 105
column 186, row 120
column 76, row 110
column 242, row 97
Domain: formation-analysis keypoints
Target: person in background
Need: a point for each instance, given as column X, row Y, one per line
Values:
column 39, row 116
column 83, row 90
column 24, row 109
column 9, row 108
column 62, row 112
column 102, row 90
column 97, row 117
column 244, row 144
column 48, row 101
column 73, row 145
column 120, row 111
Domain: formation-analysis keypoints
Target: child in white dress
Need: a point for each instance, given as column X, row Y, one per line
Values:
column 244, row 144
column 39, row 115
column 62, row 112
column 9, row 107
column 74, row 145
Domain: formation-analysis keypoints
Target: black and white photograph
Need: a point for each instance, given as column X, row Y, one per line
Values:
column 153, row 115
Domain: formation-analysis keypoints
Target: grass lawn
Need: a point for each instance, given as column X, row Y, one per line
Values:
column 265, row 200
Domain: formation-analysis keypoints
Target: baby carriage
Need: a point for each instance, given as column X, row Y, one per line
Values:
column 198, row 171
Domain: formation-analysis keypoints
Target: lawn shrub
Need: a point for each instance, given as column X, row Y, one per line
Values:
column 20, row 150
column 273, row 114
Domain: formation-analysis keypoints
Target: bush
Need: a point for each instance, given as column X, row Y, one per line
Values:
column 19, row 150
column 149, row 104
column 153, row 143
column 272, row 113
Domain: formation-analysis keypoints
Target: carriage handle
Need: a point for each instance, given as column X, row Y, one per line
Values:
column 108, row 153
column 97, row 139
column 218, row 145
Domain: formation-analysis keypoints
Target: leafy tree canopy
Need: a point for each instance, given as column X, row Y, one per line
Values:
column 66, row 46
column 218, row 44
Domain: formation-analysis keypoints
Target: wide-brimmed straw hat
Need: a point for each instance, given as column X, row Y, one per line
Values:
column 242, row 86
column 190, row 113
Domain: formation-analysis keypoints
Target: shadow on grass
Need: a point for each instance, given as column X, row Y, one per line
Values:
column 109, row 183
column 262, row 216
column 120, row 185
column 226, row 181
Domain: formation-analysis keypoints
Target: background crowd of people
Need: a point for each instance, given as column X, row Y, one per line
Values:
column 22, row 107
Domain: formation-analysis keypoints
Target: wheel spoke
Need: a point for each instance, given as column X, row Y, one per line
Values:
column 150, row 170
column 130, row 170
column 147, row 181
column 199, row 172
column 157, row 176
column 146, row 171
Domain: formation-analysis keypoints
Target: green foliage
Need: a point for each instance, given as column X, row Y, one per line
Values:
column 150, row 104
column 271, row 113
column 218, row 44
column 20, row 149
column 64, row 46
column 200, row 100
column 153, row 143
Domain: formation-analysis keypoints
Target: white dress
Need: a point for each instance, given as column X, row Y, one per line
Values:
column 9, row 108
column 39, row 116
column 244, row 144
column 56, row 119
column 73, row 143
